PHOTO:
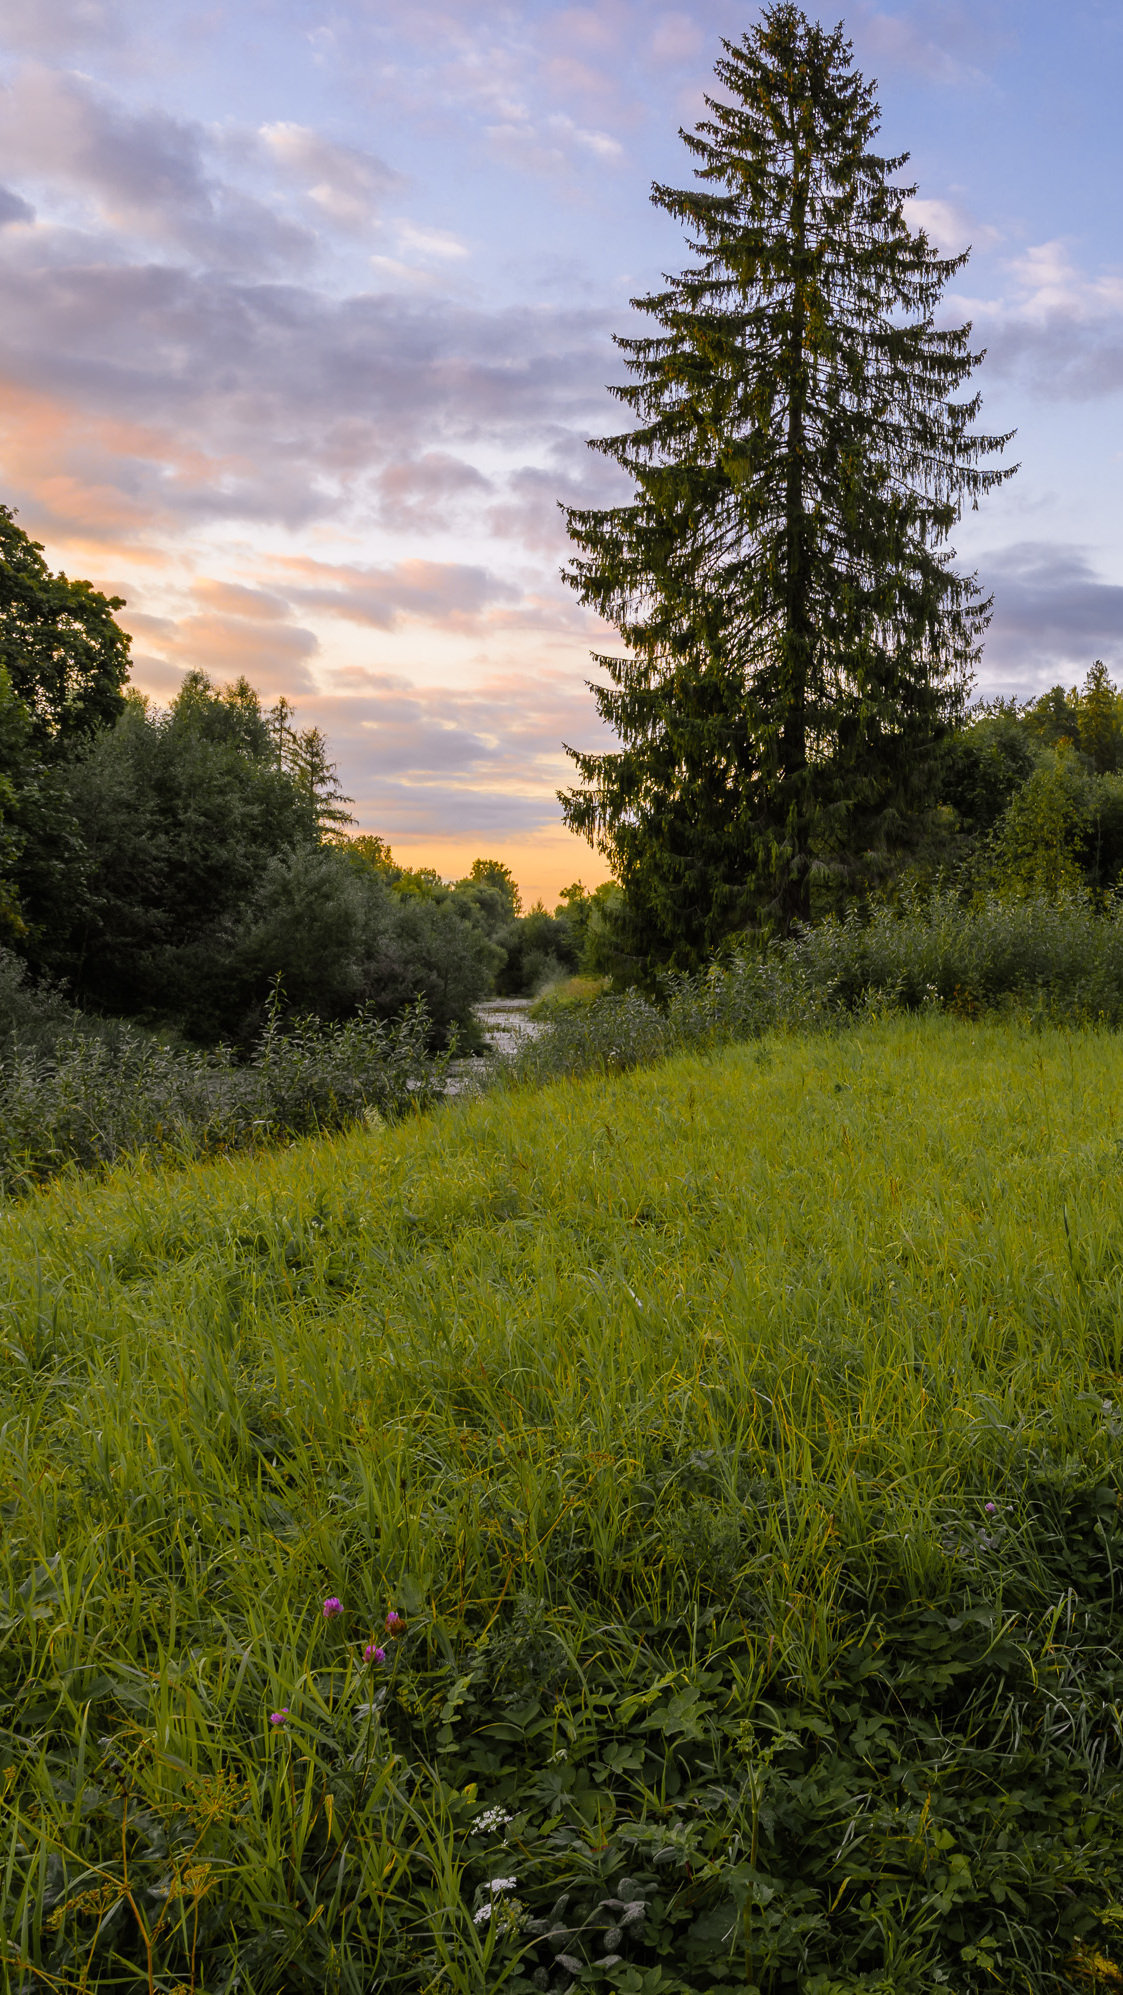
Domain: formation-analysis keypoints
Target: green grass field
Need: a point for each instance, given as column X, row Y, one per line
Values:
column 739, row 1441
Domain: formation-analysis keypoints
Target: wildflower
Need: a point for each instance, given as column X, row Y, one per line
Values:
column 373, row 1655
column 495, row 1884
column 332, row 1607
column 278, row 1717
column 394, row 1622
column 990, row 1508
column 489, row 1819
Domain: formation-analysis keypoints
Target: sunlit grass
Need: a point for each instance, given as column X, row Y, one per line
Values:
column 694, row 1384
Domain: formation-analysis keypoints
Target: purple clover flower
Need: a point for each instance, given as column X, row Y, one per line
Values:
column 990, row 1508
column 373, row 1655
column 278, row 1717
column 332, row 1607
column 394, row 1622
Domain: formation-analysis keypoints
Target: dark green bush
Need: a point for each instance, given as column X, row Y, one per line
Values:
column 76, row 1092
column 1049, row 959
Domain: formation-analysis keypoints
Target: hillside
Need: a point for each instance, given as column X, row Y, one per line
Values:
column 738, row 1443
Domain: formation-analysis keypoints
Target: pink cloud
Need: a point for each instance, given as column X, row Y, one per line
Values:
column 274, row 656
column 423, row 494
column 232, row 599
column 451, row 593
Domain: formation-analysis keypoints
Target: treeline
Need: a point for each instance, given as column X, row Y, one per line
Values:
column 176, row 866
column 1028, row 805
column 1033, row 794
column 169, row 865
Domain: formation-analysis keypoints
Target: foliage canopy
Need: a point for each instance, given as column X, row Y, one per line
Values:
column 65, row 654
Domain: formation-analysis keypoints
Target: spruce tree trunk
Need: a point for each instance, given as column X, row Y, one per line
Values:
column 798, row 639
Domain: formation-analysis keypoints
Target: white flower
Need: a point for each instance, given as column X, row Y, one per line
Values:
column 502, row 1883
column 481, row 1917
column 489, row 1819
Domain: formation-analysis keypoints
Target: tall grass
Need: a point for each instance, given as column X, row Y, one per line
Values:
column 738, row 1441
column 82, row 1092
column 1039, row 960
column 77, row 1090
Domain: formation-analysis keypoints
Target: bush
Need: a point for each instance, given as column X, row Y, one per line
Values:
column 337, row 938
column 160, row 832
column 1055, row 960
column 71, row 1096
column 1059, row 959
column 568, row 994
column 37, row 1014
column 426, row 949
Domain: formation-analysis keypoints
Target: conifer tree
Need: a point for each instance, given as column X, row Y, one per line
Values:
column 1100, row 720
column 318, row 777
column 797, row 638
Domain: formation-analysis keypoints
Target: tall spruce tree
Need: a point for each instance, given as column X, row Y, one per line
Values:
column 797, row 638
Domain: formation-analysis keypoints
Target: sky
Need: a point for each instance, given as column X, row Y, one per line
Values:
column 307, row 319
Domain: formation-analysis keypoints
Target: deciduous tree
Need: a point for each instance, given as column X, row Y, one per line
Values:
column 65, row 654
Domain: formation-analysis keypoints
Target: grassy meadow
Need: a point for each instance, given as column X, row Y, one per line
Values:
column 737, row 1442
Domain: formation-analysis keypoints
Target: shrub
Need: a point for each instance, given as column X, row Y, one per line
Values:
column 83, row 1099
column 568, row 994
column 1057, row 960
column 38, row 1014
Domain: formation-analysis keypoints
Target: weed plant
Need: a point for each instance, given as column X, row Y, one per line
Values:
column 1056, row 958
column 660, row 1533
column 82, row 1093
column 1058, row 961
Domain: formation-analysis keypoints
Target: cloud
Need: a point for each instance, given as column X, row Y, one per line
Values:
column 13, row 208
column 205, row 395
column 142, row 173
column 531, row 507
column 435, row 759
column 1052, row 615
column 440, row 243
column 440, row 760
column 677, row 38
column 1058, row 328
column 54, row 27
column 553, row 145
column 424, row 494
column 1058, row 360
column 273, row 654
column 440, row 809
column 949, row 226
column 234, row 599
column 450, row 593
column 347, row 185
column 1048, row 283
